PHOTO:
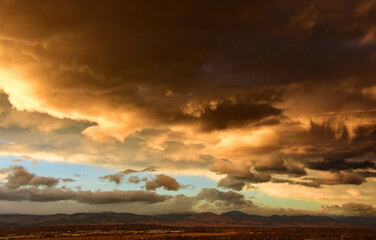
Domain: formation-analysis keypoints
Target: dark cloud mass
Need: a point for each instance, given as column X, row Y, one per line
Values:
column 232, row 114
column 339, row 164
column 259, row 92
column 199, row 53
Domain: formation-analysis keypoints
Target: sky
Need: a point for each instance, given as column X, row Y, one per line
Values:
column 157, row 107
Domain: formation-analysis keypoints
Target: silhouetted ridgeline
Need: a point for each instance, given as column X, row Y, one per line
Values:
column 189, row 219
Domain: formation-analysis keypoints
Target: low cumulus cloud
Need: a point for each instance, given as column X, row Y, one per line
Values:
column 18, row 176
column 22, row 185
column 163, row 181
column 237, row 175
column 208, row 199
column 358, row 208
column 66, row 180
column 221, row 198
column 118, row 177
column 352, row 209
column 35, row 194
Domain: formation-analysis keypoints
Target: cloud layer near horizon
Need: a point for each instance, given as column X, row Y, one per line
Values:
column 246, row 93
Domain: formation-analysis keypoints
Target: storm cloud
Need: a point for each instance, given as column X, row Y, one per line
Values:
column 259, row 93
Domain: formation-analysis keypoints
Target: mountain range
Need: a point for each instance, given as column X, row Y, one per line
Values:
column 232, row 218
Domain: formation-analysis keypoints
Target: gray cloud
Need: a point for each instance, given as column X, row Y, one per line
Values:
column 357, row 207
column 44, row 181
column 352, row 208
column 280, row 166
column 314, row 184
column 336, row 178
column 334, row 207
column 118, row 177
column 231, row 183
column 35, row 194
column 18, row 176
column 68, row 180
column 229, row 198
column 237, row 176
column 332, row 146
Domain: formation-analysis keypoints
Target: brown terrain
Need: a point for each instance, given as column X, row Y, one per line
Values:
column 128, row 232
column 230, row 225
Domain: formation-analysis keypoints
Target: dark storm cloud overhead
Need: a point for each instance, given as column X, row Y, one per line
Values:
column 118, row 177
column 18, row 176
column 367, row 174
column 162, row 181
column 331, row 140
column 326, row 18
column 257, row 70
column 328, row 164
column 329, row 146
column 153, row 63
column 232, row 114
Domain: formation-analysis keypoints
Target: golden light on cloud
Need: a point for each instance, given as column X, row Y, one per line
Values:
column 233, row 97
column 21, row 94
